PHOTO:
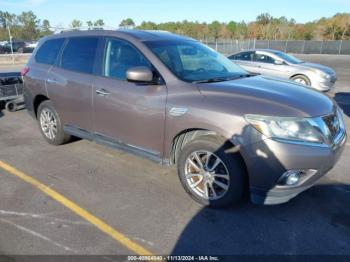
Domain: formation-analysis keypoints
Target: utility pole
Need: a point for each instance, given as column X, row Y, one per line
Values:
column 10, row 37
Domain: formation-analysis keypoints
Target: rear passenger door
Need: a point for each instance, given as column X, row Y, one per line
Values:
column 127, row 114
column 69, row 83
column 39, row 65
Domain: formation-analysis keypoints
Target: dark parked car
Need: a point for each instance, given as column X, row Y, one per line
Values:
column 17, row 46
column 177, row 102
column 3, row 49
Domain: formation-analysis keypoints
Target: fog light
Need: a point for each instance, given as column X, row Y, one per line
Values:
column 290, row 178
column 294, row 177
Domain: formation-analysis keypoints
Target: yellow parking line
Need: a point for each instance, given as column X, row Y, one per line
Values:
column 121, row 238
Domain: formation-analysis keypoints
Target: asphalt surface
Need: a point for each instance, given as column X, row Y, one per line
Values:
column 146, row 202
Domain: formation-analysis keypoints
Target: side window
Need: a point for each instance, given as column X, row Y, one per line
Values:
column 233, row 57
column 245, row 56
column 119, row 57
column 79, row 54
column 262, row 58
column 47, row 53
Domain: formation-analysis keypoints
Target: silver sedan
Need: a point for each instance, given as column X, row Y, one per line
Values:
column 279, row 64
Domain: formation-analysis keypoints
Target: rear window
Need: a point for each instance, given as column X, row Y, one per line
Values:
column 47, row 53
column 79, row 54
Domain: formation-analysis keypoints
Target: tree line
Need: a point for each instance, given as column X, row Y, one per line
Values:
column 27, row 26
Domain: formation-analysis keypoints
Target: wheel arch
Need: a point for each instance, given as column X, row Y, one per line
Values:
column 300, row 74
column 188, row 135
column 37, row 101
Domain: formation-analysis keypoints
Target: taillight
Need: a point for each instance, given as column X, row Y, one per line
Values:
column 24, row 71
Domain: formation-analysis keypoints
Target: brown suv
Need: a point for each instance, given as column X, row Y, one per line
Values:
column 175, row 101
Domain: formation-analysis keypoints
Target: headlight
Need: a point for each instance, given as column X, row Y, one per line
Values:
column 287, row 128
column 321, row 73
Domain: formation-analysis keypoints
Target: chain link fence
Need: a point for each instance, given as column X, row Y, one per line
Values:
column 341, row 47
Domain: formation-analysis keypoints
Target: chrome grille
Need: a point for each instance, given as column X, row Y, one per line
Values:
column 332, row 123
column 333, row 78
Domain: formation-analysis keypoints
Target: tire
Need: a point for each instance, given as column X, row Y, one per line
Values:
column 47, row 117
column 11, row 106
column 231, row 163
column 20, row 50
column 302, row 79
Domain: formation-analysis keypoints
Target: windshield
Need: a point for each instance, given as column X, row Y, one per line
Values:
column 290, row 59
column 192, row 61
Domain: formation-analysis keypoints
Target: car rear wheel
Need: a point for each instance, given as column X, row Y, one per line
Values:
column 209, row 174
column 50, row 124
column 301, row 79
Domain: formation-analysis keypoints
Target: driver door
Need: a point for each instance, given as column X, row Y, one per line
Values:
column 266, row 65
column 126, row 114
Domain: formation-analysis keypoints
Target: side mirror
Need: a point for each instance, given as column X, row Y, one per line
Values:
column 279, row 62
column 139, row 74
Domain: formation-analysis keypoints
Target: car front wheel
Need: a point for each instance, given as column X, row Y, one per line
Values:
column 210, row 173
column 301, row 79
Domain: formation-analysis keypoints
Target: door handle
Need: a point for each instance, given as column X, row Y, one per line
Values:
column 102, row 92
column 52, row 81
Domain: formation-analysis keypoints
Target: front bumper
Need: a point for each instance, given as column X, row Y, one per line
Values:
column 268, row 159
column 323, row 84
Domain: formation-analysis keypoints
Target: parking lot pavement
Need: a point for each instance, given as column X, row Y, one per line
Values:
column 146, row 203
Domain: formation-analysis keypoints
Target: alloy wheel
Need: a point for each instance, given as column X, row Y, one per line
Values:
column 300, row 81
column 207, row 175
column 48, row 123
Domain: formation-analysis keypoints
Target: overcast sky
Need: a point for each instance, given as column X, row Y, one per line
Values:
column 113, row 11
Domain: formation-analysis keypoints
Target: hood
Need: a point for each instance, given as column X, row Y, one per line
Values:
column 323, row 68
column 268, row 96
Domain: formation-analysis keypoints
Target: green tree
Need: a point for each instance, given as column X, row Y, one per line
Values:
column 27, row 26
column 11, row 18
column 242, row 30
column 264, row 19
column 127, row 23
column 89, row 23
column 76, row 23
column 45, row 28
column 232, row 28
column 99, row 22
column 214, row 29
column 147, row 25
column 30, row 25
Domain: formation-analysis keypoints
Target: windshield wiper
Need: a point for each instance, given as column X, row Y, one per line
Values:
column 211, row 80
column 221, row 79
column 244, row 75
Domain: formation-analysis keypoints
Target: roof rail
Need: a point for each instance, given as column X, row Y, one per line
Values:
column 85, row 28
